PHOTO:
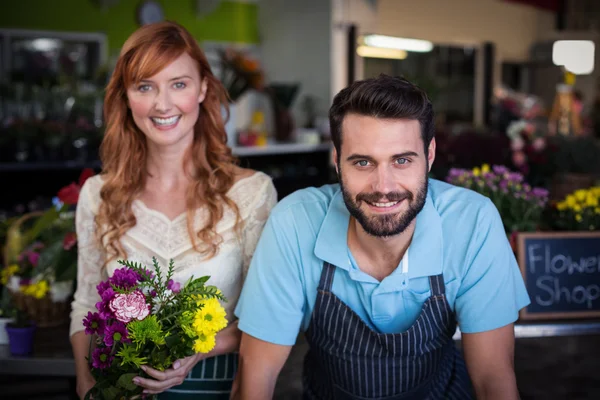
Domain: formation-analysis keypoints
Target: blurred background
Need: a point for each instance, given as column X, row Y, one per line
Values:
column 514, row 83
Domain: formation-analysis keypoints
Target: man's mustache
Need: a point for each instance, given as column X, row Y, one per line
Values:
column 379, row 197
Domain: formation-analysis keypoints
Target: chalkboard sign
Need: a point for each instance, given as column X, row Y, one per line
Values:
column 562, row 274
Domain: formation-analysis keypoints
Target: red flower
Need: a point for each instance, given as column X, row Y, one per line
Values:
column 70, row 194
column 69, row 241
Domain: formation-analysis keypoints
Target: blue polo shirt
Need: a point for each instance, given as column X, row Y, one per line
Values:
column 458, row 233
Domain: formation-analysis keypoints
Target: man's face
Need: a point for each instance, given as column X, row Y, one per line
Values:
column 383, row 172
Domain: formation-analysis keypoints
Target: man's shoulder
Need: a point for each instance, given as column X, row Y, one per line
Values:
column 314, row 198
column 450, row 200
column 304, row 207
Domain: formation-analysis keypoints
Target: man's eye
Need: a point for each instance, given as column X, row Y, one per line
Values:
column 402, row 161
column 362, row 163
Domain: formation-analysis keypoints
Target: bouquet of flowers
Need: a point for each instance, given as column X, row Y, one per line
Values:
column 579, row 211
column 520, row 205
column 145, row 318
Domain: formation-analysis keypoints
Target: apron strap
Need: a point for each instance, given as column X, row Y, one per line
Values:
column 326, row 277
column 438, row 287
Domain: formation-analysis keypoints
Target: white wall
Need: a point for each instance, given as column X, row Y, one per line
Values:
column 295, row 41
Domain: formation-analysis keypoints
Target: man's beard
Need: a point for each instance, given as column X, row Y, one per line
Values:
column 386, row 224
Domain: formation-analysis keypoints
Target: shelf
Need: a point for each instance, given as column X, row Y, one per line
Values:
column 271, row 149
column 36, row 166
column 552, row 329
column 279, row 148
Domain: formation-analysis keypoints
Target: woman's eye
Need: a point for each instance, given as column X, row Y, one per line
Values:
column 179, row 85
column 144, row 88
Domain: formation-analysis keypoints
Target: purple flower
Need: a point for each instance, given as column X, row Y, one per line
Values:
column 515, row 177
column 147, row 275
column 108, row 294
column 540, row 192
column 104, row 310
column 175, row 287
column 102, row 287
column 116, row 333
column 101, row 358
column 500, row 169
column 93, row 324
column 125, row 278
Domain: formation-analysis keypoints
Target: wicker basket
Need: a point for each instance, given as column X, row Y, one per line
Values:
column 44, row 312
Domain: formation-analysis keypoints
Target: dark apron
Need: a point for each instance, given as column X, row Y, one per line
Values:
column 348, row 360
column 211, row 378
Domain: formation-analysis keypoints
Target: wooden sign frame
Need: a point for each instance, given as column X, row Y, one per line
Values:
column 521, row 237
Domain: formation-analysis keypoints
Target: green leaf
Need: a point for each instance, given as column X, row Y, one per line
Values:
column 125, row 381
column 41, row 224
column 172, row 340
column 110, row 392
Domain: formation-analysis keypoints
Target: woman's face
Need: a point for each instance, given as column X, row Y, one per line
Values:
column 165, row 107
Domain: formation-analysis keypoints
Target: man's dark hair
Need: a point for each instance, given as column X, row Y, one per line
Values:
column 382, row 97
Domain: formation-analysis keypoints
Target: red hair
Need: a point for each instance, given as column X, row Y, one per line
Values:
column 123, row 150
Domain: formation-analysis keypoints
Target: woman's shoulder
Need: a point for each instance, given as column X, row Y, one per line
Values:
column 90, row 191
column 252, row 188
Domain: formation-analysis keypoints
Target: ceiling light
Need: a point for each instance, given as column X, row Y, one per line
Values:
column 380, row 52
column 390, row 42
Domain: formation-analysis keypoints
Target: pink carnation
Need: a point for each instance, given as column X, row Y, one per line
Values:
column 129, row 306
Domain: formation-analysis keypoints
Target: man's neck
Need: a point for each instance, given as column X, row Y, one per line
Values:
column 378, row 256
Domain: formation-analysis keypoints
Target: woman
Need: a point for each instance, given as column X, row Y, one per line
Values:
column 170, row 189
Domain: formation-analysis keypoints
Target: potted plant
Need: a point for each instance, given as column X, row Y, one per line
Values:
column 520, row 205
column 21, row 331
column 578, row 211
column 41, row 259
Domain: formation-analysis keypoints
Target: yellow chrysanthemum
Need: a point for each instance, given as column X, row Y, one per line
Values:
column 476, row 171
column 210, row 318
column 37, row 290
column 485, row 168
column 8, row 272
column 204, row 343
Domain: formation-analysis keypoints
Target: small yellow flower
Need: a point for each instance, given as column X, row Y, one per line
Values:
column 578, row 217
column 204, row 343
column 485, row 168
column 576, row 208
column 570, row 200
column 476, row 171
column 580, row 194
column 597, row 210
column 211, row 318
column 562, row 206
column 8, row 272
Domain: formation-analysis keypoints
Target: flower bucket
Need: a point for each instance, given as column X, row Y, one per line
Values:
column 20, row 340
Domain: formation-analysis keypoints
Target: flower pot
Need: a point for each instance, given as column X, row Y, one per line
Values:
column 3, row 334
column 20, row 340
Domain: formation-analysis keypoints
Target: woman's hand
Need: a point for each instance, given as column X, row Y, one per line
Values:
column 227, row 341
column 84, row 384
column 168, row 378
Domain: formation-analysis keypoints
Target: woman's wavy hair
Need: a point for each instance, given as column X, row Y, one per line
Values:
column 124, row 149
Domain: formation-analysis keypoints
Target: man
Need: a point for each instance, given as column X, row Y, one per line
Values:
column 378, row 270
